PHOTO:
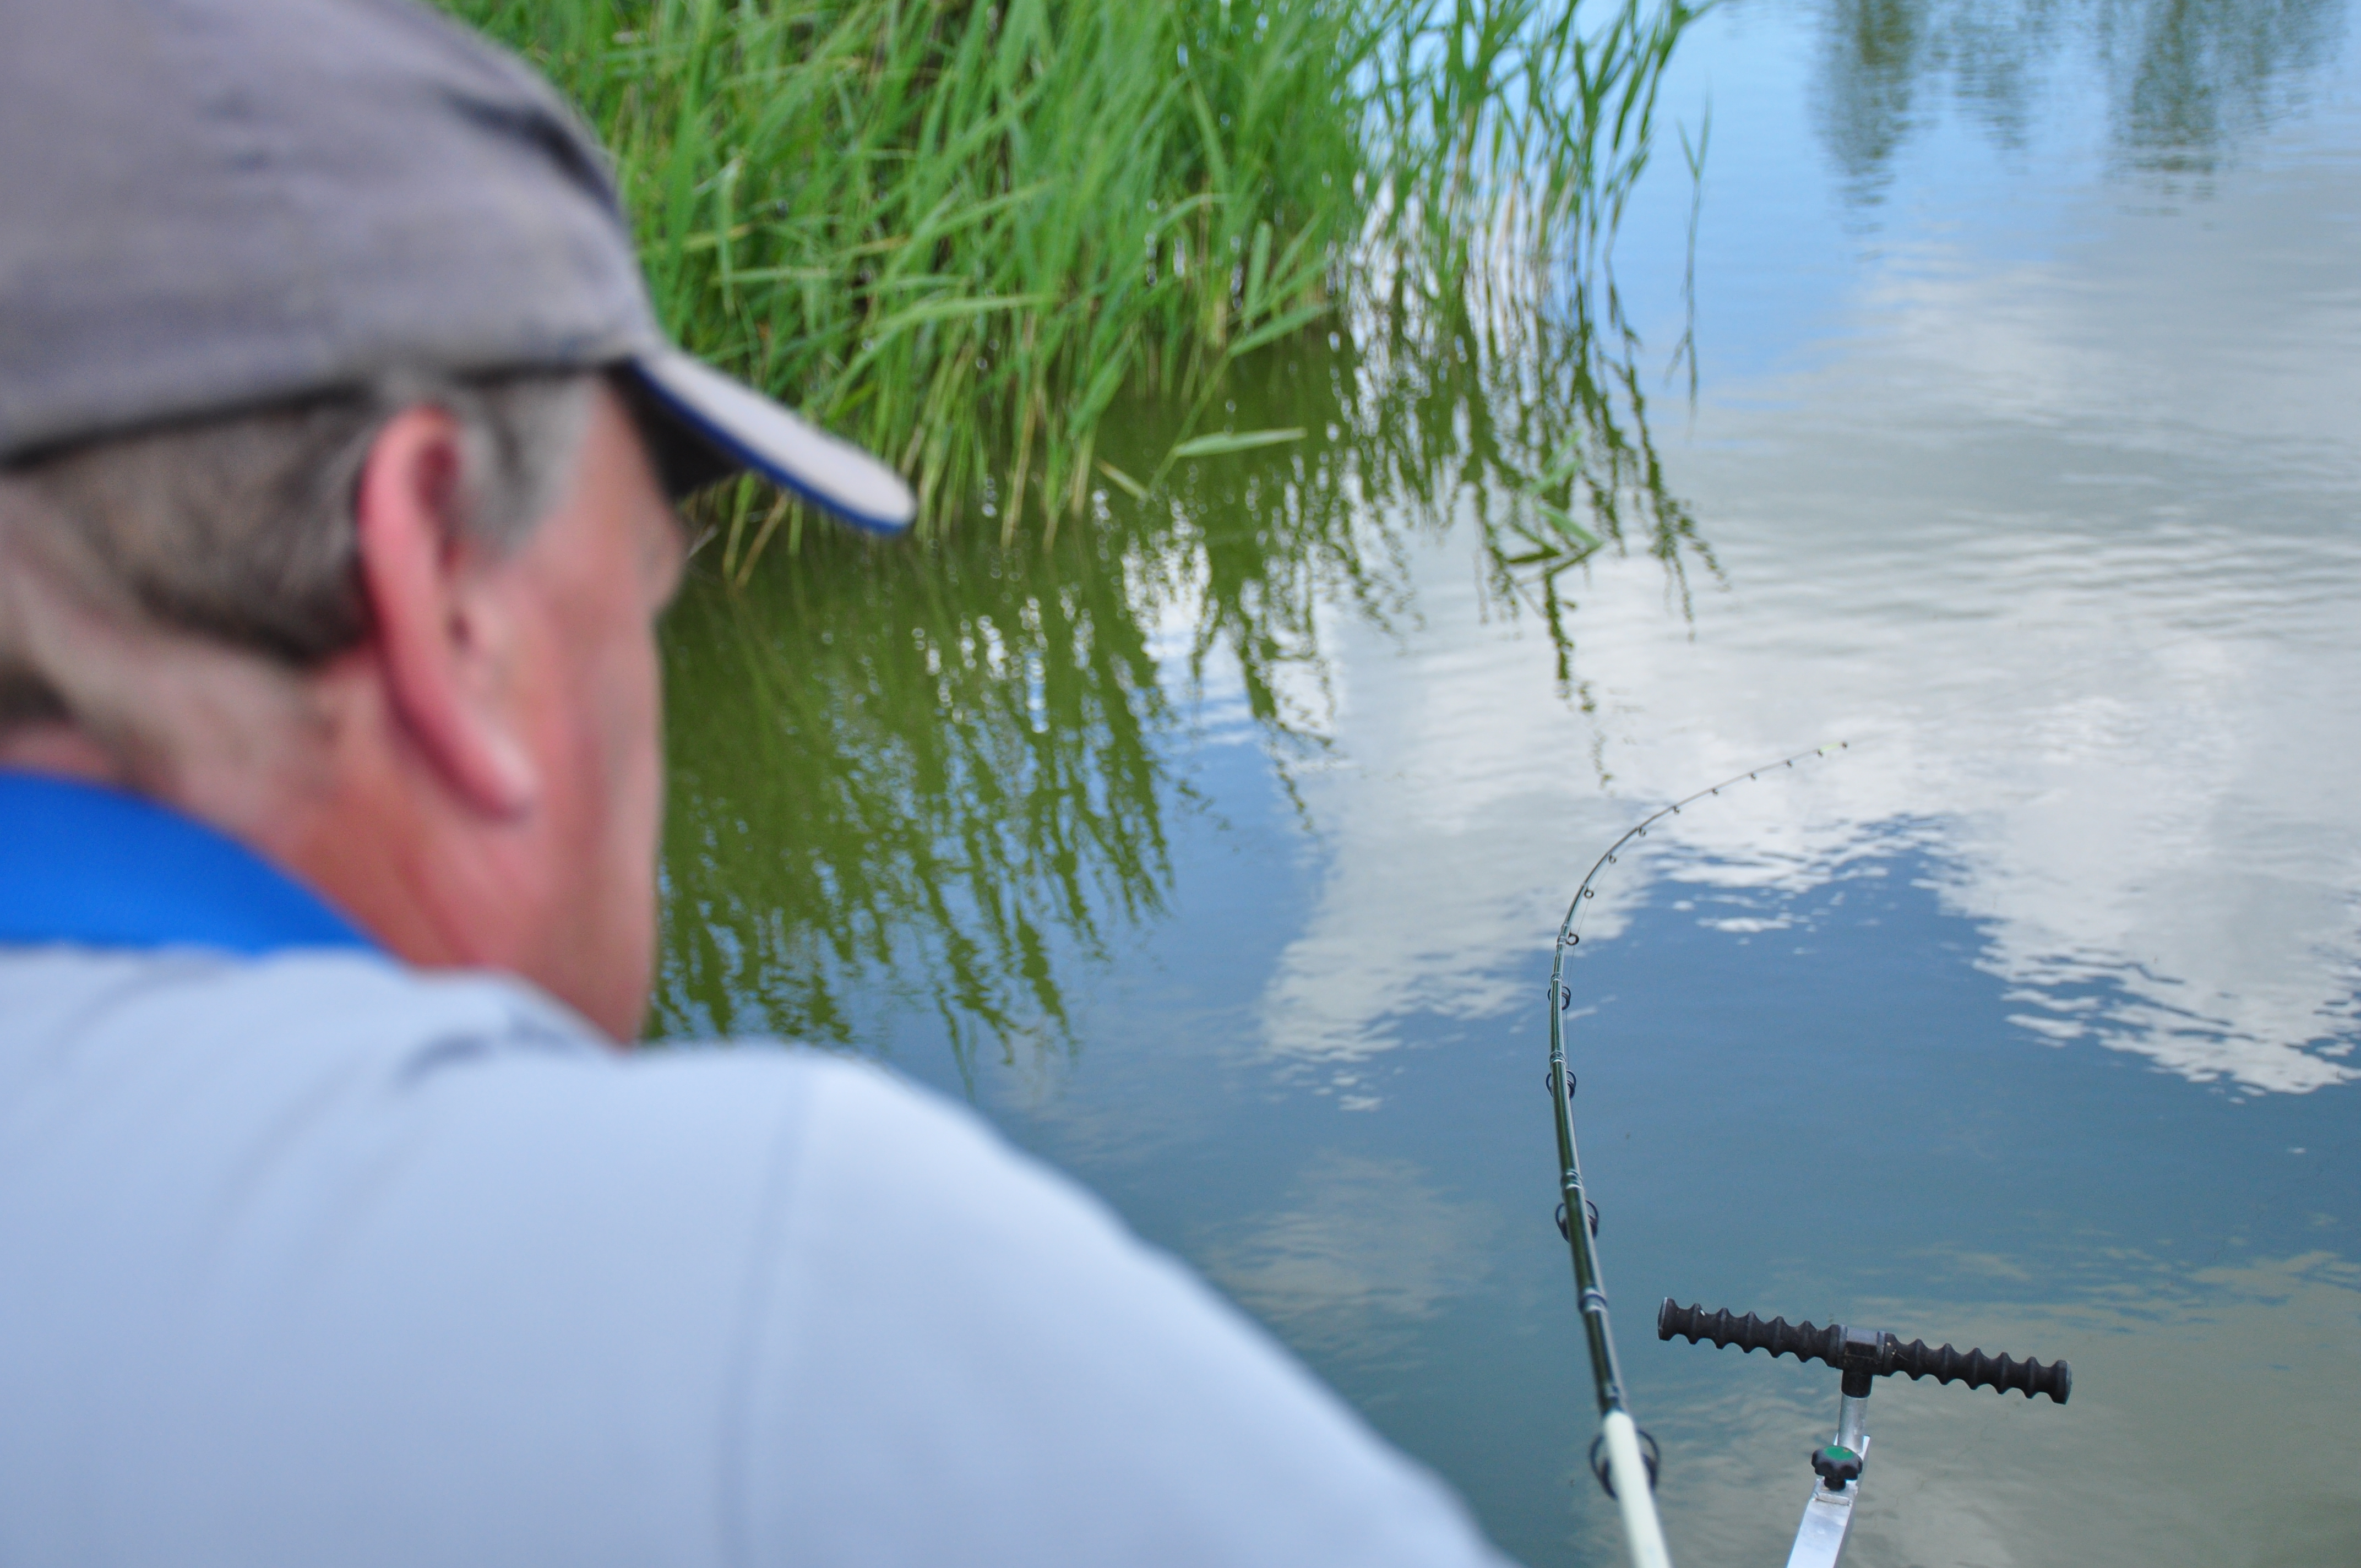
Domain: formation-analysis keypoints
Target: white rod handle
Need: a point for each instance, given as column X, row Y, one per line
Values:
column 1642, row 1531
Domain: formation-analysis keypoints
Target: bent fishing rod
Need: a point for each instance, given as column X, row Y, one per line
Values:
column 1624, row 1457
column 1616, row 1453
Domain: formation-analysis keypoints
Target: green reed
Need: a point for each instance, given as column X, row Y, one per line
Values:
column 960, row 232
column 955, row 231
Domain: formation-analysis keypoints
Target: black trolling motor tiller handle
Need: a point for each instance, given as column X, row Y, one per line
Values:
column 1864, row 1354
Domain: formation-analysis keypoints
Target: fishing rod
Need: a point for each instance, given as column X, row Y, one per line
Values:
column 1616, row 1456
column 1624, row 1466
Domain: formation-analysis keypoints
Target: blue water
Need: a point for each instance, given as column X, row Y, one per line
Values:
column 2024, row 446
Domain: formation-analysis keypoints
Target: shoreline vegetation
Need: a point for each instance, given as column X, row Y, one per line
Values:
column 962, row 233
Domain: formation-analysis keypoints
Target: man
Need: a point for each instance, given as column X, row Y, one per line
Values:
column 336, row 443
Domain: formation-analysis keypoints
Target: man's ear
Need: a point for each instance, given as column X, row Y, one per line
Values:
column 442, row 633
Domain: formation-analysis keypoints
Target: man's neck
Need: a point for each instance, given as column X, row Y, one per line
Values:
column 59, row 748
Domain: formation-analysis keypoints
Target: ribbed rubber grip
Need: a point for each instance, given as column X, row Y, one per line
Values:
column 1807, row 1341
column 1803, row 1341
column 1977, row 1370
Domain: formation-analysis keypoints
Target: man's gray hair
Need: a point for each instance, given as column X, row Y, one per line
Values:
column 238, row 531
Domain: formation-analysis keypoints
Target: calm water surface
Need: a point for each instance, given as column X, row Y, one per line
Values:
column 1213, row 851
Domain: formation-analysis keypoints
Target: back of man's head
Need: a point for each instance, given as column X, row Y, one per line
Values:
column 233, row 534
column 336, row 432
column 233, row 240
column 237, row 235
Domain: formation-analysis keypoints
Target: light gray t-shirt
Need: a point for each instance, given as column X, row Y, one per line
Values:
column 312, row 1258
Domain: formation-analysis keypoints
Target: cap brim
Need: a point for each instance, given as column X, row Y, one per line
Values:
column 740, row 429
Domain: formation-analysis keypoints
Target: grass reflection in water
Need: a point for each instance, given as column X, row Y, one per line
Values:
column 889, row 762
column 928, row 775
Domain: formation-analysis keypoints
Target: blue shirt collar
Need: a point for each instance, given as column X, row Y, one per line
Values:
column 92, row 866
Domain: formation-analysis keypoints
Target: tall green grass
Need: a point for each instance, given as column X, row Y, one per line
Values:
column 960, row 232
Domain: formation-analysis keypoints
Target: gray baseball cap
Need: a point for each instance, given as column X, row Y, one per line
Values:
column 213, row 204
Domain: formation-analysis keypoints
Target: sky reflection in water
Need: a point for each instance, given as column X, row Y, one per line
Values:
column 1215, row 853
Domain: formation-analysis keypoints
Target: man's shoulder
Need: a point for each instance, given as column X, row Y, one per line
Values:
column 297, row 1239
column 414, row 1037
column 467, row 1128
column 436, row 1082
column 320, row 1240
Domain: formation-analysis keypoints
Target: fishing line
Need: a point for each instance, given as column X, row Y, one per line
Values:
column 1624, row 1457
